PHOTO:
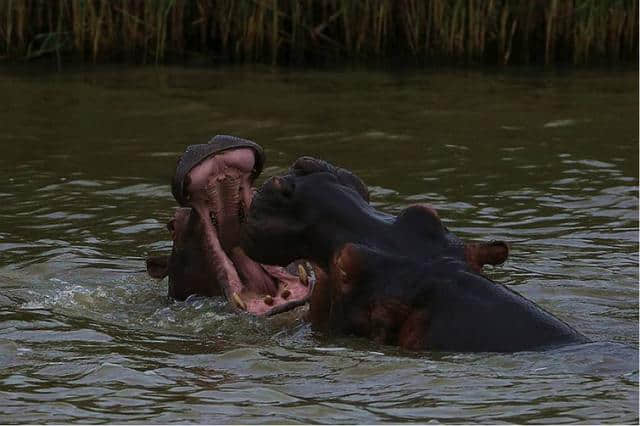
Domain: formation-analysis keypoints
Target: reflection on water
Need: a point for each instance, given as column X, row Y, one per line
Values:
column 549, row 163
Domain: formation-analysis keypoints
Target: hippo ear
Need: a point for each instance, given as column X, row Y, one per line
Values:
column 158, row 266
column 308, row 165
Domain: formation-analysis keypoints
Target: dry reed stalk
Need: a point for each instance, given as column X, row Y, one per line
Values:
column 295, row 31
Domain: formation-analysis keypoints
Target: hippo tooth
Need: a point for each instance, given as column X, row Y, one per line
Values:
column 341, row 271
column 302, row 273
column 239, row 302
column 268, row 300
column 285, row 294
column 343, row 274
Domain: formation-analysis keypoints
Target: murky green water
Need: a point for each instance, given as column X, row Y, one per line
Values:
column 547, row 162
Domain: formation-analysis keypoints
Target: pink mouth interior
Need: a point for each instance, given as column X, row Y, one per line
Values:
column 219, row 189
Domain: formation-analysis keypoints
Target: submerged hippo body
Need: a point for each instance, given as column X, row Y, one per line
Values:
column 213, row 184
column 402, row 280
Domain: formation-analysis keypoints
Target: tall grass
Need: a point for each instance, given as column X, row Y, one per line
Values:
column 312, row 31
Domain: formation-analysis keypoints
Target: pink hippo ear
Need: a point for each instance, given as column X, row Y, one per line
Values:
column 158, row 266
column 491, row 253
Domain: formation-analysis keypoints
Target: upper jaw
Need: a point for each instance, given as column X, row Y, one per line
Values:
column 195, row 154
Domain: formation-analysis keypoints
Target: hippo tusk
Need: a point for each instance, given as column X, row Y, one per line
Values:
column 239, row 302
column 302, row 274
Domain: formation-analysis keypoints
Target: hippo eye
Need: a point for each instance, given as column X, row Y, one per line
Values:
column 288, row 188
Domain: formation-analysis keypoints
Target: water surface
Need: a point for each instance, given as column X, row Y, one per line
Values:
column 545, row 161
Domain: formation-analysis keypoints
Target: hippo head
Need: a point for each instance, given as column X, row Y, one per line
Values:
column 213, row 184
column 317, row 208
column 371, row 266
column 296, row 215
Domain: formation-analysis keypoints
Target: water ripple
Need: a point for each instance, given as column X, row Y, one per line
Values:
column 87, row 337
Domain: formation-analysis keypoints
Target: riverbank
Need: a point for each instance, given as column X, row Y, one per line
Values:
column 304, row 32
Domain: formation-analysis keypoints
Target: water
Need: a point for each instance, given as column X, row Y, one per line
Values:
column 548, row 162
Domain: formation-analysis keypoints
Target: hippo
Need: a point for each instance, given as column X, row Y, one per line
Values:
column 213, row 185
column 402, row 280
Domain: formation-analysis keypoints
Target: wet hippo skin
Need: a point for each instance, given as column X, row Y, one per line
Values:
column 402, row 280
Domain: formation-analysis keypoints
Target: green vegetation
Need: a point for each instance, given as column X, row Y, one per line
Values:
column 321, row 31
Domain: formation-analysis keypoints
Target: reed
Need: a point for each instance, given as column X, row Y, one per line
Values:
column 320, row 31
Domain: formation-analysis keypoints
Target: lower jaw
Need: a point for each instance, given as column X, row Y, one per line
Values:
column 241, row 278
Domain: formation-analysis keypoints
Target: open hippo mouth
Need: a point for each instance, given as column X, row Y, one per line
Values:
column 213, row 183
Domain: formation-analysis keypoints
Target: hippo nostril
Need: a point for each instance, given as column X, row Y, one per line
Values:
column 287, row 190
column 276, row 182
column 283, row 186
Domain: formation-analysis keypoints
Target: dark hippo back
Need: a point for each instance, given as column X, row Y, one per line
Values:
column 473, row 313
